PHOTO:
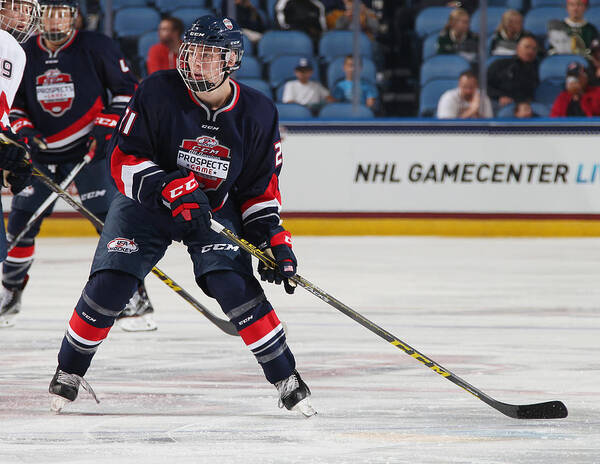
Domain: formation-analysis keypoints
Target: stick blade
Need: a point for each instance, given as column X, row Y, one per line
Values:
column 548, row 410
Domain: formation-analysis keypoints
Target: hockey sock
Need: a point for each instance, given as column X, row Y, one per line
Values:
column 245, row 304
column 20, row 258
column 103, row 298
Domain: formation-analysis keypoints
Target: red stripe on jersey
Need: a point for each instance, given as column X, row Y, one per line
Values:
column 4, row 109
column 119, row 159
column 20, row 123
column 22, row 252
column 87, row 331
column 237, row 97
column 87, row 118
column 272, row 192
column 260, row 328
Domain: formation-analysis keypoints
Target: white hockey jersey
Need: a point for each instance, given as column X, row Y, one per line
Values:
column 12, row 65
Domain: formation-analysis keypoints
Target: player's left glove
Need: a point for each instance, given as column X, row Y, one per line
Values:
column 11, row 155
column 104, row 125
column 280, row 250
column 189, row 205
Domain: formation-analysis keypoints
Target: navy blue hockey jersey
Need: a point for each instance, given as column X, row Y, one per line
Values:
column 62, row 92
column 235, row 151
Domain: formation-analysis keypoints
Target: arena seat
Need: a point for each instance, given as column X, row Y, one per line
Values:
column 431, row 93
column 258, row 84
column 536, row 20
column 250, row 69
column 443, row 67
column 544, row 3
column 134, row 21
column 508, row 111
column 547, row 92
column 166, row 6
column 248, row 46
column 494, row 16
column 555, row 66
column 335, row 71
column 189, row 15
column 431, row 20
column 334, row 44
column 592, row 15
column 345, row 111
column 118, row 4
column 292, row 111
column 430, row 48
column 275, row 43
column 282, row 69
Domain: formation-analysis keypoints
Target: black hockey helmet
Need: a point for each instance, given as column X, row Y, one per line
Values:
column 211, row 50
column 20, row 18
column 58, row 18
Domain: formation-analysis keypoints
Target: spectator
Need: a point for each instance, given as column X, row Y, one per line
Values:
column 579, row 98
column 579, row 33
column 342, row 92
column 304, row 91
column 508, row 34
column 515, row 78
column 163, row 55
column 248, row 18
column 456, row 36
column 342, row 19
column 594, row 59
column 303, row 15
column 464, row 102
column 523, row 110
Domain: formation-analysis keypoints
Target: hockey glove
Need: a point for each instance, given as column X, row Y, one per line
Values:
column 104, row 125
column 188, row 204
column 20, row 177
column 12, row 156
column 34, row 139
column 280, row 251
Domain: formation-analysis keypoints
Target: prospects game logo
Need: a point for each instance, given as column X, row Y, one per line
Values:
column 55, row 91
column 207, row 159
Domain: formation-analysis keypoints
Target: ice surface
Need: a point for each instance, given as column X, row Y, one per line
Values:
column 517, row 318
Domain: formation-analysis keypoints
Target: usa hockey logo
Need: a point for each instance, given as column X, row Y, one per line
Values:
column 55, row 91
column 207, row 159
column 122, row 245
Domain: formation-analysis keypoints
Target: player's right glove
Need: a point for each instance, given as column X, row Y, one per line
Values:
column 11, row 155
column 280, row 250
column 187, row 202
column 34, row 139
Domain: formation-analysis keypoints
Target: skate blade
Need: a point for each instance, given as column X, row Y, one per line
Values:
column 305, row 408
column 7, row 320
column 57, row 403
column 143, row 323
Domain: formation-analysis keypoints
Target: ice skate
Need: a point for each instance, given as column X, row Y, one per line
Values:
column 294, row 395
column 64, row 388
column 10, row 304
column 138, row 315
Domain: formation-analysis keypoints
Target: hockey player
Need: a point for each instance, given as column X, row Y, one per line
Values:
column 63, row 104
column 192, row 143
column 18, row 20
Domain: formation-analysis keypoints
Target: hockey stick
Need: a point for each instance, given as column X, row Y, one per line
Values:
column 48, row 201
column 225, row 326
column 547, row 410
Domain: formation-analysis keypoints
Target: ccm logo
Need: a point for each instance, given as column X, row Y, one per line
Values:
column 182, row 189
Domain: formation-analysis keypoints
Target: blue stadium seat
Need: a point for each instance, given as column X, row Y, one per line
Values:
column 493, row 58
column 258, row 84
column 494, row 15
column 443, row 67
column 334, row 44
column 248, row 46
column 344, row 111
column 536, row 20
column 293, row 111
column 282, row 69
column 508, row 111
column 145, row 42
column 133, row 22
column 270, row 5
column 250, row 69
column 540, row 109
column 555, row 66
column 431, row 93
column 189, row 15
column 275, row 43
column 430, row 46
column 594, row 3
column 166, row 6
column 512, row 4
column 118, row 4
column 431, row 20
column 593, row 16
column 547, row 92
column 544, row 3
column 335, row 71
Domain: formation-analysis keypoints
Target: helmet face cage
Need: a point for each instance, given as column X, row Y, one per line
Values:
column 58, row 21
column 205, row 67
column 20, row 18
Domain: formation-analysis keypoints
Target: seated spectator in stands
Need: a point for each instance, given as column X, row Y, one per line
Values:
column 456, row 36
column 579, row 98
column 163, row 55
column 464, row 102
column 304, row 91
column 342, row 19
column 508, row 34
column 342, row 92
column 515, row 78
column 302, row 15
column 594, row 59
column 523, row 110
column 247, row 17
column 579, row 33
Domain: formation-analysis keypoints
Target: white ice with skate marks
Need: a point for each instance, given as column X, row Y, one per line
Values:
column 517, row 318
